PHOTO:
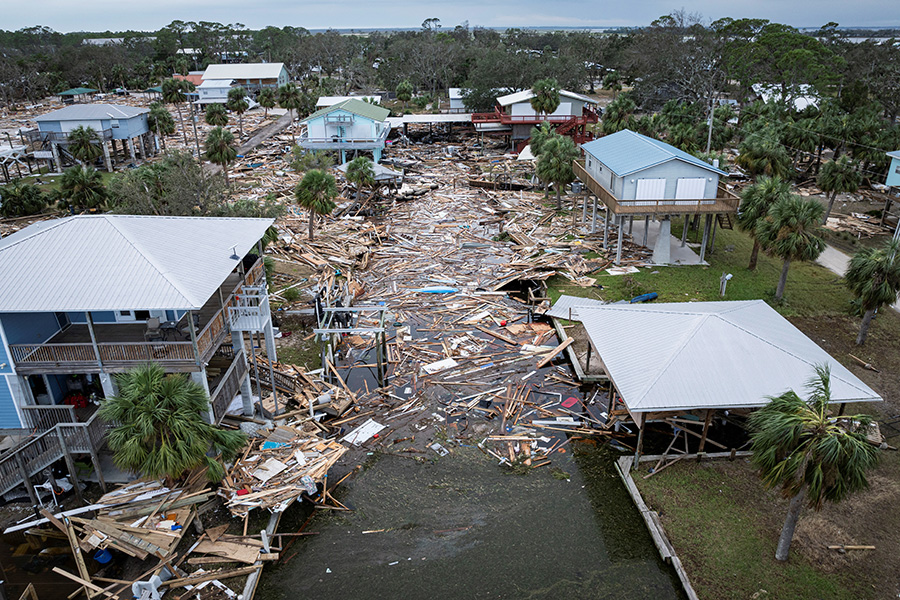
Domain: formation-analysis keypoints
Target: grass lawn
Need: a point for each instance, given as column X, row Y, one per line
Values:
column 725, row 526
column 811, row 290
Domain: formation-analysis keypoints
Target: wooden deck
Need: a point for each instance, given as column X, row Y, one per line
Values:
column 725, row 202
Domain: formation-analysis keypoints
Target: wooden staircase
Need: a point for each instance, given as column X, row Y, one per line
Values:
column 724, row 220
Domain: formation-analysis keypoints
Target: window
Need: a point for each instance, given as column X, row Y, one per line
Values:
column 115, row 123
column 897, row 169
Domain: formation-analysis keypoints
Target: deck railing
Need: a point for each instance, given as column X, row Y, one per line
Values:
column 42, row 417
column 121, row 355
column 724, row 202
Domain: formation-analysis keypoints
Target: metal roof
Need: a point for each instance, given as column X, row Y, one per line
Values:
column 77, row 91
column 244, row 71
column 527, row 95
column 894, row 154
column 121, row 262
column 561, row 308
column 325, row 101
column 700, row 355
column 92, row 112
column 357, row 107
column 626, row 152
column 215, row 83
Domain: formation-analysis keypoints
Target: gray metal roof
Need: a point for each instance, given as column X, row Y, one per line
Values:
column 121, row 262
column 92, row 112
column 699, row 355
column 566, row 307
column 244, row 71
column 626, row 152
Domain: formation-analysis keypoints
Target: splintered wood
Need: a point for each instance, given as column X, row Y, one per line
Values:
column 275, row 471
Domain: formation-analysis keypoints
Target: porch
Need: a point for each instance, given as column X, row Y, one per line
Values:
column 121, row 346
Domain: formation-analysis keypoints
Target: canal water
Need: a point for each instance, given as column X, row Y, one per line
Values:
column 462, row 527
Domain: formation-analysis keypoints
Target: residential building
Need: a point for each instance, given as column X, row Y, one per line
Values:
column 113, row 123
column 214, row 91
column 514, row 117
column 251, row 76
column 86, row 297
column 635, row 175
column 893, row 177
column 348, row 125
column 456, row 100
column 326, row 101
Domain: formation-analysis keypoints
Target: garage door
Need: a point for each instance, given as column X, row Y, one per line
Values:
column 649, row 189
column 690, row 188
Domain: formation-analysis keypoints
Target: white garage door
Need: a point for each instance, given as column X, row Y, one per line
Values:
column 650, row 189
column 690, row 188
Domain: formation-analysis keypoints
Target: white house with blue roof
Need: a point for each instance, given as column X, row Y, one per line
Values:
column 637, row 176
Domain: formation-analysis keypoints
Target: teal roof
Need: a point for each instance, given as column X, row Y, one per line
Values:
column 894, row 154
column 77, row 92
column 626, row 152
column 357, row 107
column 157, row 89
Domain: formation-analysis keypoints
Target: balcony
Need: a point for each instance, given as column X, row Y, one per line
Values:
column 336, row 142
column 121, row 346
column 724, row 202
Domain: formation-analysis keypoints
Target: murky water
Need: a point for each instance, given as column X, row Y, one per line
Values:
column 462, row 527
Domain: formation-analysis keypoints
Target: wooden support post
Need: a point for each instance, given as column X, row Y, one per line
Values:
column 646, row 229
column 684, row 233
column 706, row 226
column 709, row 416
column 23, row 472
column 594, row 216
column 639, row 448
column 70, row 465
column 95, row 460
column 712, row 241
column 630, row 224
column 621, row 242
column 606, row 229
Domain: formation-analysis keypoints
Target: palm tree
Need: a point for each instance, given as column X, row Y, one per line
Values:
column 802, row 137
column 161, row 431
column 160, row 121
column 873, row 276
column 404, row 91
column 555, row 164
column 618, row 114
column 546, row 96
column 761, row 153
column 83, row 187
column 220, row 148
column 173, row 92
column 84, row 144
column 791, row 232
column 216, row 115
column 811, row 455
column 316, row 192
column 837, row 176
column 612, row 81
column 361, row 174
column 756, row 201
column 21, row 199
column 290, row 98
column 539, row 136
column 237, row 102
column 267, row 100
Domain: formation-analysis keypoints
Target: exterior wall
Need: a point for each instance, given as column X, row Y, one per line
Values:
column 29, row 328
column 131, row 128
column 567, row 107
column 9, row 416
column 625, row 188
column 106, row 316
column 361, row 128
column 893, row 178
column 127, row 128
column 214, row 93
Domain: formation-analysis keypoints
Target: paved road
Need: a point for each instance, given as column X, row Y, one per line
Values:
column 837, row 262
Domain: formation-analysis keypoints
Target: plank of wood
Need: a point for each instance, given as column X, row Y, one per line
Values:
column 185, row 581
column 499, row 336
column 84, row 582
column 546, row 360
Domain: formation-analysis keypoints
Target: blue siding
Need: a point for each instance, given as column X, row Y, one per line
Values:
column 58, row 387
column 9, row 418
column 5, row 362
column 29, row 328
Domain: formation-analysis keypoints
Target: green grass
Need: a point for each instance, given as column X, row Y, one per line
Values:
column 811, row 290
column 717, row 531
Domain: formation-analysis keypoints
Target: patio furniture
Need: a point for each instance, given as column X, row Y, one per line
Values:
column 169, row 328
column 153, row 333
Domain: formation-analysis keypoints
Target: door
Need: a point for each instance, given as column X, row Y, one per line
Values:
column 649, row 189
column 690, row 188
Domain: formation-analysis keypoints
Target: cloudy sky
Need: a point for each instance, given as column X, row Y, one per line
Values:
column 101, row 15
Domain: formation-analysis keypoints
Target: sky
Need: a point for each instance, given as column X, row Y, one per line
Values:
column 102, row 15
